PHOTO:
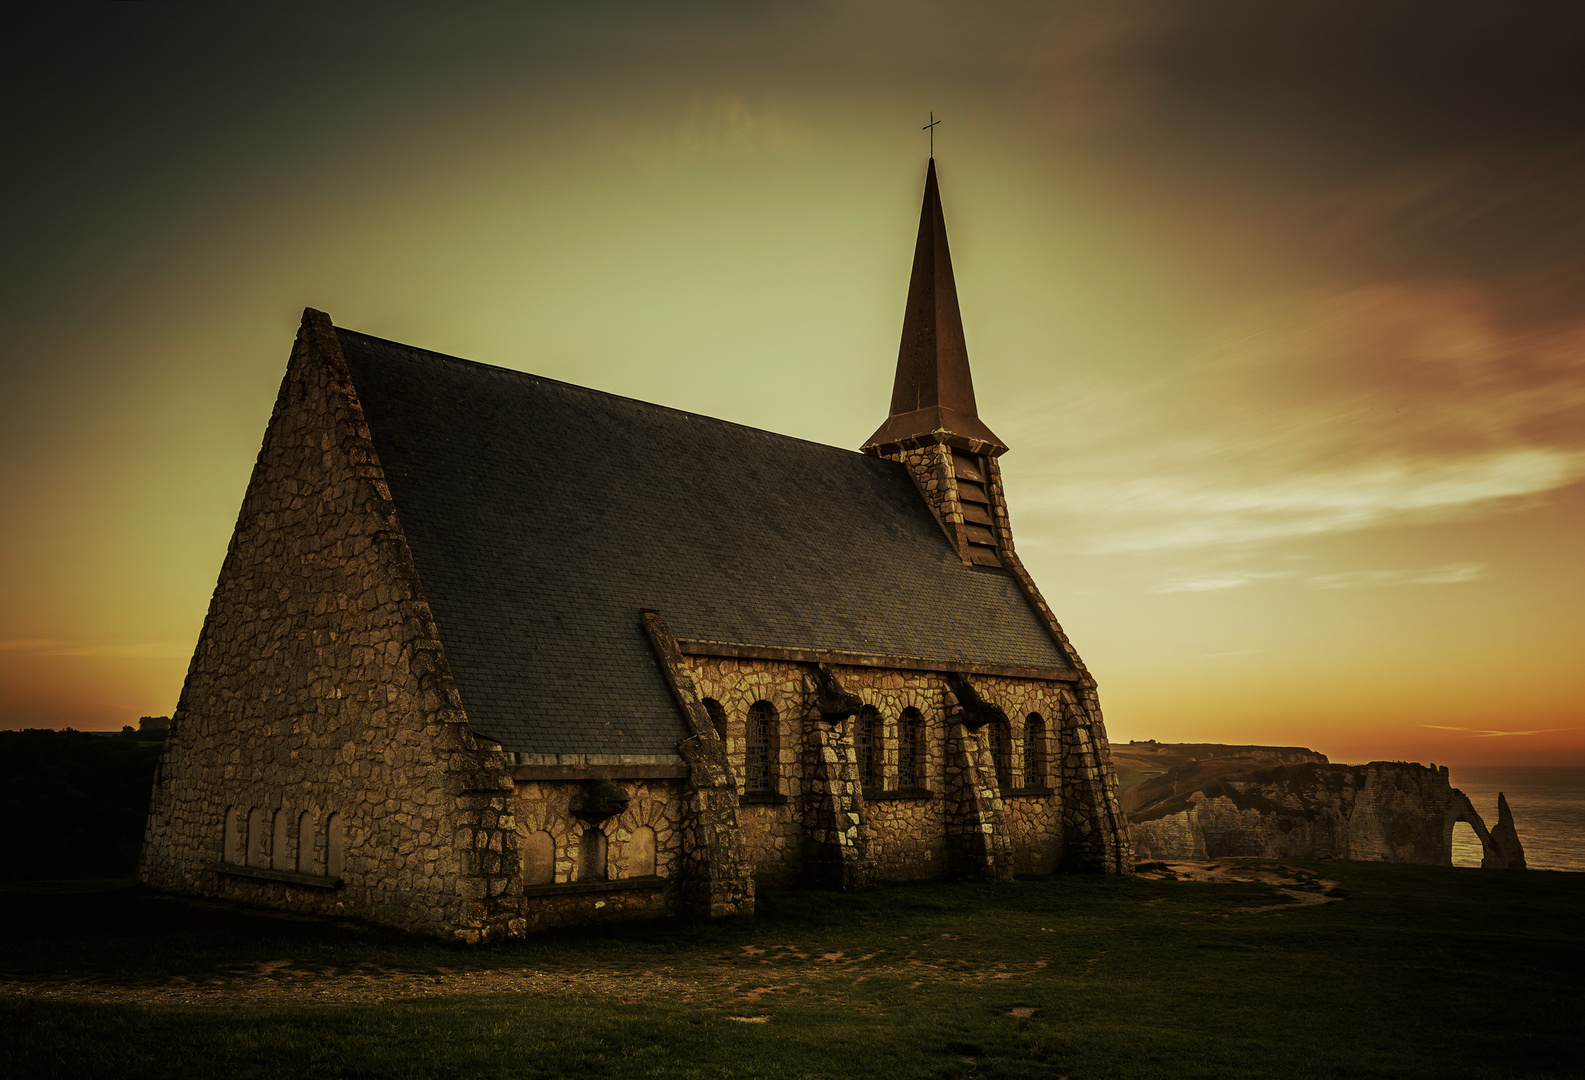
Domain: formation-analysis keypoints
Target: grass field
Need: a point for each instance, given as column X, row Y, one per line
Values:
column 1404, row 972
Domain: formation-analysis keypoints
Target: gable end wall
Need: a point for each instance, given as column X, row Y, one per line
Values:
column 319, row 687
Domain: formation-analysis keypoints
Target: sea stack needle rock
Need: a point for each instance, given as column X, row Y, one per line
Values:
column 491, row 652
column 1504, row 852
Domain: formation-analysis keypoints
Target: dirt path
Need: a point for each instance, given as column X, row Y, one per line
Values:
column 1300, row 886
column 760, row 972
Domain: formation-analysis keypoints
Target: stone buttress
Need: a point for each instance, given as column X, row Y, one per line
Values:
column 716, row 878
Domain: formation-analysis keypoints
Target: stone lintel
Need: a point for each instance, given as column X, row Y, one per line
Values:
column 571, row 888
column 762, row 798
column 290, row 877
column 601, row 772
column 910, row 794
column 696, row 647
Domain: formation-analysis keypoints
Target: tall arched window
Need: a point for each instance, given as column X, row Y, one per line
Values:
column 641, row 853
column 1034, row 751
column 305, row 842
column 910, row 749
column 717, row 716
column 335, row 839
column 591, row 855
column 996, row 740
column 539, row 858
column 759, row 748
column 234, row 850
column 280, row 842
column 258, row 839
column 867, row 737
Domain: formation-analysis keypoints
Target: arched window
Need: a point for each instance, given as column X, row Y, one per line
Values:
column 759, row 748
column 334, row 840
column 910, row 749
column 1034, row 751
column 305, row 842
column 258, row 839
column 591, row 855
column 641, row 853
column 539, row 858
column 996, row 740
column 867, row 737
column 235, row 848
column 281, row 842
column 717, row 716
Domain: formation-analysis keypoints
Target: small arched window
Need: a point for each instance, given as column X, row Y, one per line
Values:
column 641, row 853
column 258, row 839
column 335, row 840
column 539, row 858
column 281, row 842
column 868, row 740
column 1034, row 751
column 233, row 844
column 996, row 740
column 305, row 842
column 591, row 855
column 717, row 715
column 759, row 748
column 910, row 749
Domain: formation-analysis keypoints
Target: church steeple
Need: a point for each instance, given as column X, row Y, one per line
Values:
column 933, row 396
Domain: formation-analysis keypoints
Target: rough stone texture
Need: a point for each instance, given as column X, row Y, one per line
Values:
column 545, row 806
column 836, row 835
column 717, row 879
column 1381, row 812
column 1504, row 852
column 909, row 829
column 978, row 845
column 319, row 686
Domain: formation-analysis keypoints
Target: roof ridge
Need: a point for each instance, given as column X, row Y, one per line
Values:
column 603, row 393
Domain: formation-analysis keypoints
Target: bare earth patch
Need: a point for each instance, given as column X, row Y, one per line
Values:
column 1300, row 886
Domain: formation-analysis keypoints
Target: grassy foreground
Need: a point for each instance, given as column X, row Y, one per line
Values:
column 1414, row 971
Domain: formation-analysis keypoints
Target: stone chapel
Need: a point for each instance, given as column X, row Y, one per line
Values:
column 491, row 653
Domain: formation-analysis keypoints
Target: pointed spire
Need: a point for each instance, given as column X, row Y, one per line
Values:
column 933, row 396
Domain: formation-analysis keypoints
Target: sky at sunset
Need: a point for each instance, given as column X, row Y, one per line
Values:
column 1280, row 308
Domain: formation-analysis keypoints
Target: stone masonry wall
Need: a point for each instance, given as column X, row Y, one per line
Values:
column 319, row 688
column 932, row 472
column 544, row 806
column 907, row 828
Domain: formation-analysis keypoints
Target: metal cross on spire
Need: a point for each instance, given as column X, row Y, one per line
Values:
column 931, row 127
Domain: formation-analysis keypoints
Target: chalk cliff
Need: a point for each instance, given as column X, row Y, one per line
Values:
column 1386, row 811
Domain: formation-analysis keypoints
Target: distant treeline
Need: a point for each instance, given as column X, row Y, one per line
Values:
column 75, row 802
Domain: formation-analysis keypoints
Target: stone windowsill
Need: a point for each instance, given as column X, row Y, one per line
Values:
column 1028, row 792
column 762, row 798
column 290, row 877
column 570, row 888
column 907, row 794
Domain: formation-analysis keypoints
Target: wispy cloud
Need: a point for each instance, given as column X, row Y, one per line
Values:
column 1221, row 581
column 1451, row 574
column 1338, row 412
column 1487, row 733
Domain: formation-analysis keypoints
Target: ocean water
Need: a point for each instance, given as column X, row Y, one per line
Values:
column 1548, row 804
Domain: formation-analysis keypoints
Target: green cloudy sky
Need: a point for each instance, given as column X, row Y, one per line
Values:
column 1281, row 307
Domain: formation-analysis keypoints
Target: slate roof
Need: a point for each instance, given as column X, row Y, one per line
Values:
column 543, row 517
